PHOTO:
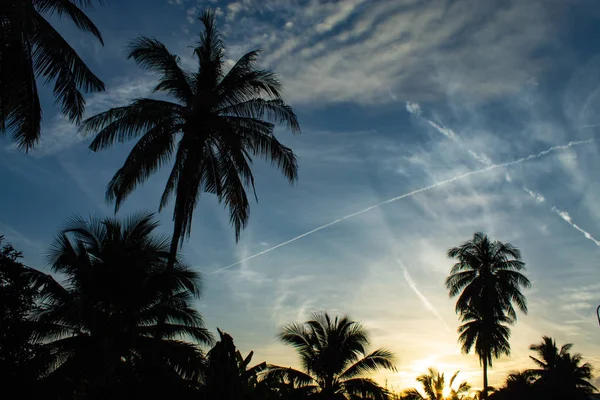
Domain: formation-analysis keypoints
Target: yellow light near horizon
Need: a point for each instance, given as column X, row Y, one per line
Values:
column 446, row 391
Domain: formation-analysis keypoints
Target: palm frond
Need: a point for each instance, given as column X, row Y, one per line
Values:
column 71, row 11
column 124, row 123
column 148, row 155
column 287, row 374
column 259, row 109
column 378, row 359
column 54, row 59
column 152, row 55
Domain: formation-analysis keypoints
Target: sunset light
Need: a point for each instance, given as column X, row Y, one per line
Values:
column 300, row 199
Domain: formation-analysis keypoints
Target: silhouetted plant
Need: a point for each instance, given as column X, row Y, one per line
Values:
column 487, row 281
column 561, row 375
column 518, row 386
column 31, row 49
column 434, row 387
column 21, row 361
column 217, row 122
column 228, row 375
column 100, row 323
column 334, row 358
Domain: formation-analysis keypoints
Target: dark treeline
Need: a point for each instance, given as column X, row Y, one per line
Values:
column 115, row 318
column 120, row 324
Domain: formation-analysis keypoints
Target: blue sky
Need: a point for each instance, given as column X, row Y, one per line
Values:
column 392, row 96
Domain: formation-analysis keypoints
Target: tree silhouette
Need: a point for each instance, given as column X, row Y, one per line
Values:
column 99, row 325
column 217, row 122
column 487, row 280
column 434, row 387
column 21, row 361
column 334, row 358
column 561, row 375
column 31, row 49
column 228, row 375
column 518, row 386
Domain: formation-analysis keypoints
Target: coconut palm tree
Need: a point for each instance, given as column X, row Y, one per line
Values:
column 212, row 126
column 435, row 388
column 333, row 355
column 31, row 49
column 561, row 375
column 100, row 323
column 487, row 279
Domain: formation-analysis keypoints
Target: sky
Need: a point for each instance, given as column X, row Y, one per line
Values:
column 422, row 122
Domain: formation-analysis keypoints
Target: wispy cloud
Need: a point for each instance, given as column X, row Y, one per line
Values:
column 393, row 49
column 536, row 196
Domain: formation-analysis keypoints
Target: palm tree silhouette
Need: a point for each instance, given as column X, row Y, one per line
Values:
column 334, row 358
column 487, row 280
column 434, row 386
column 215, row 125
column 100, row 323
column 561, row 375
column 32, row 49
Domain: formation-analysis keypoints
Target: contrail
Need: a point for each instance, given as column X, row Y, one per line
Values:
column 421, row 296
column 409, row 194
column 567, row 218
column 415, row 110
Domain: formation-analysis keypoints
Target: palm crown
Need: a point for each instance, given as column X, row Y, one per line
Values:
column 103, row 319
column 333, row 355
column 32, row 49
column 434, row 386
column 215, row 124
column 487, row 274
column 561, row 373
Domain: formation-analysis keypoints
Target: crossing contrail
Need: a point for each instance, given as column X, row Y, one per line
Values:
column 409, row 194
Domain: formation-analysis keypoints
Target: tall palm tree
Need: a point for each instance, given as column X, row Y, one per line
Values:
column 435, row 388
column 31, row 49
column 487, row 279
column 561, row 374
column 334, row 358
column 100, row 323
column 215, row 124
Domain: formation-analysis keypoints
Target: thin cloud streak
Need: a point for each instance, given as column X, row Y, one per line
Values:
column 420, row 295
column 567, row 218
column 409, row 194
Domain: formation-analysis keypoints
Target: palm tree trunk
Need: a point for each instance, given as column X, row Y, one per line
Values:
column 174, row 245
column 171, row 263
column 484, row 393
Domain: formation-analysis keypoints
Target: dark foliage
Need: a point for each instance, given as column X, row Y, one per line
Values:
column 31, row 49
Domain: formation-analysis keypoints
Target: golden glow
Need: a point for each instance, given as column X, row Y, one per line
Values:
column 446, row 391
